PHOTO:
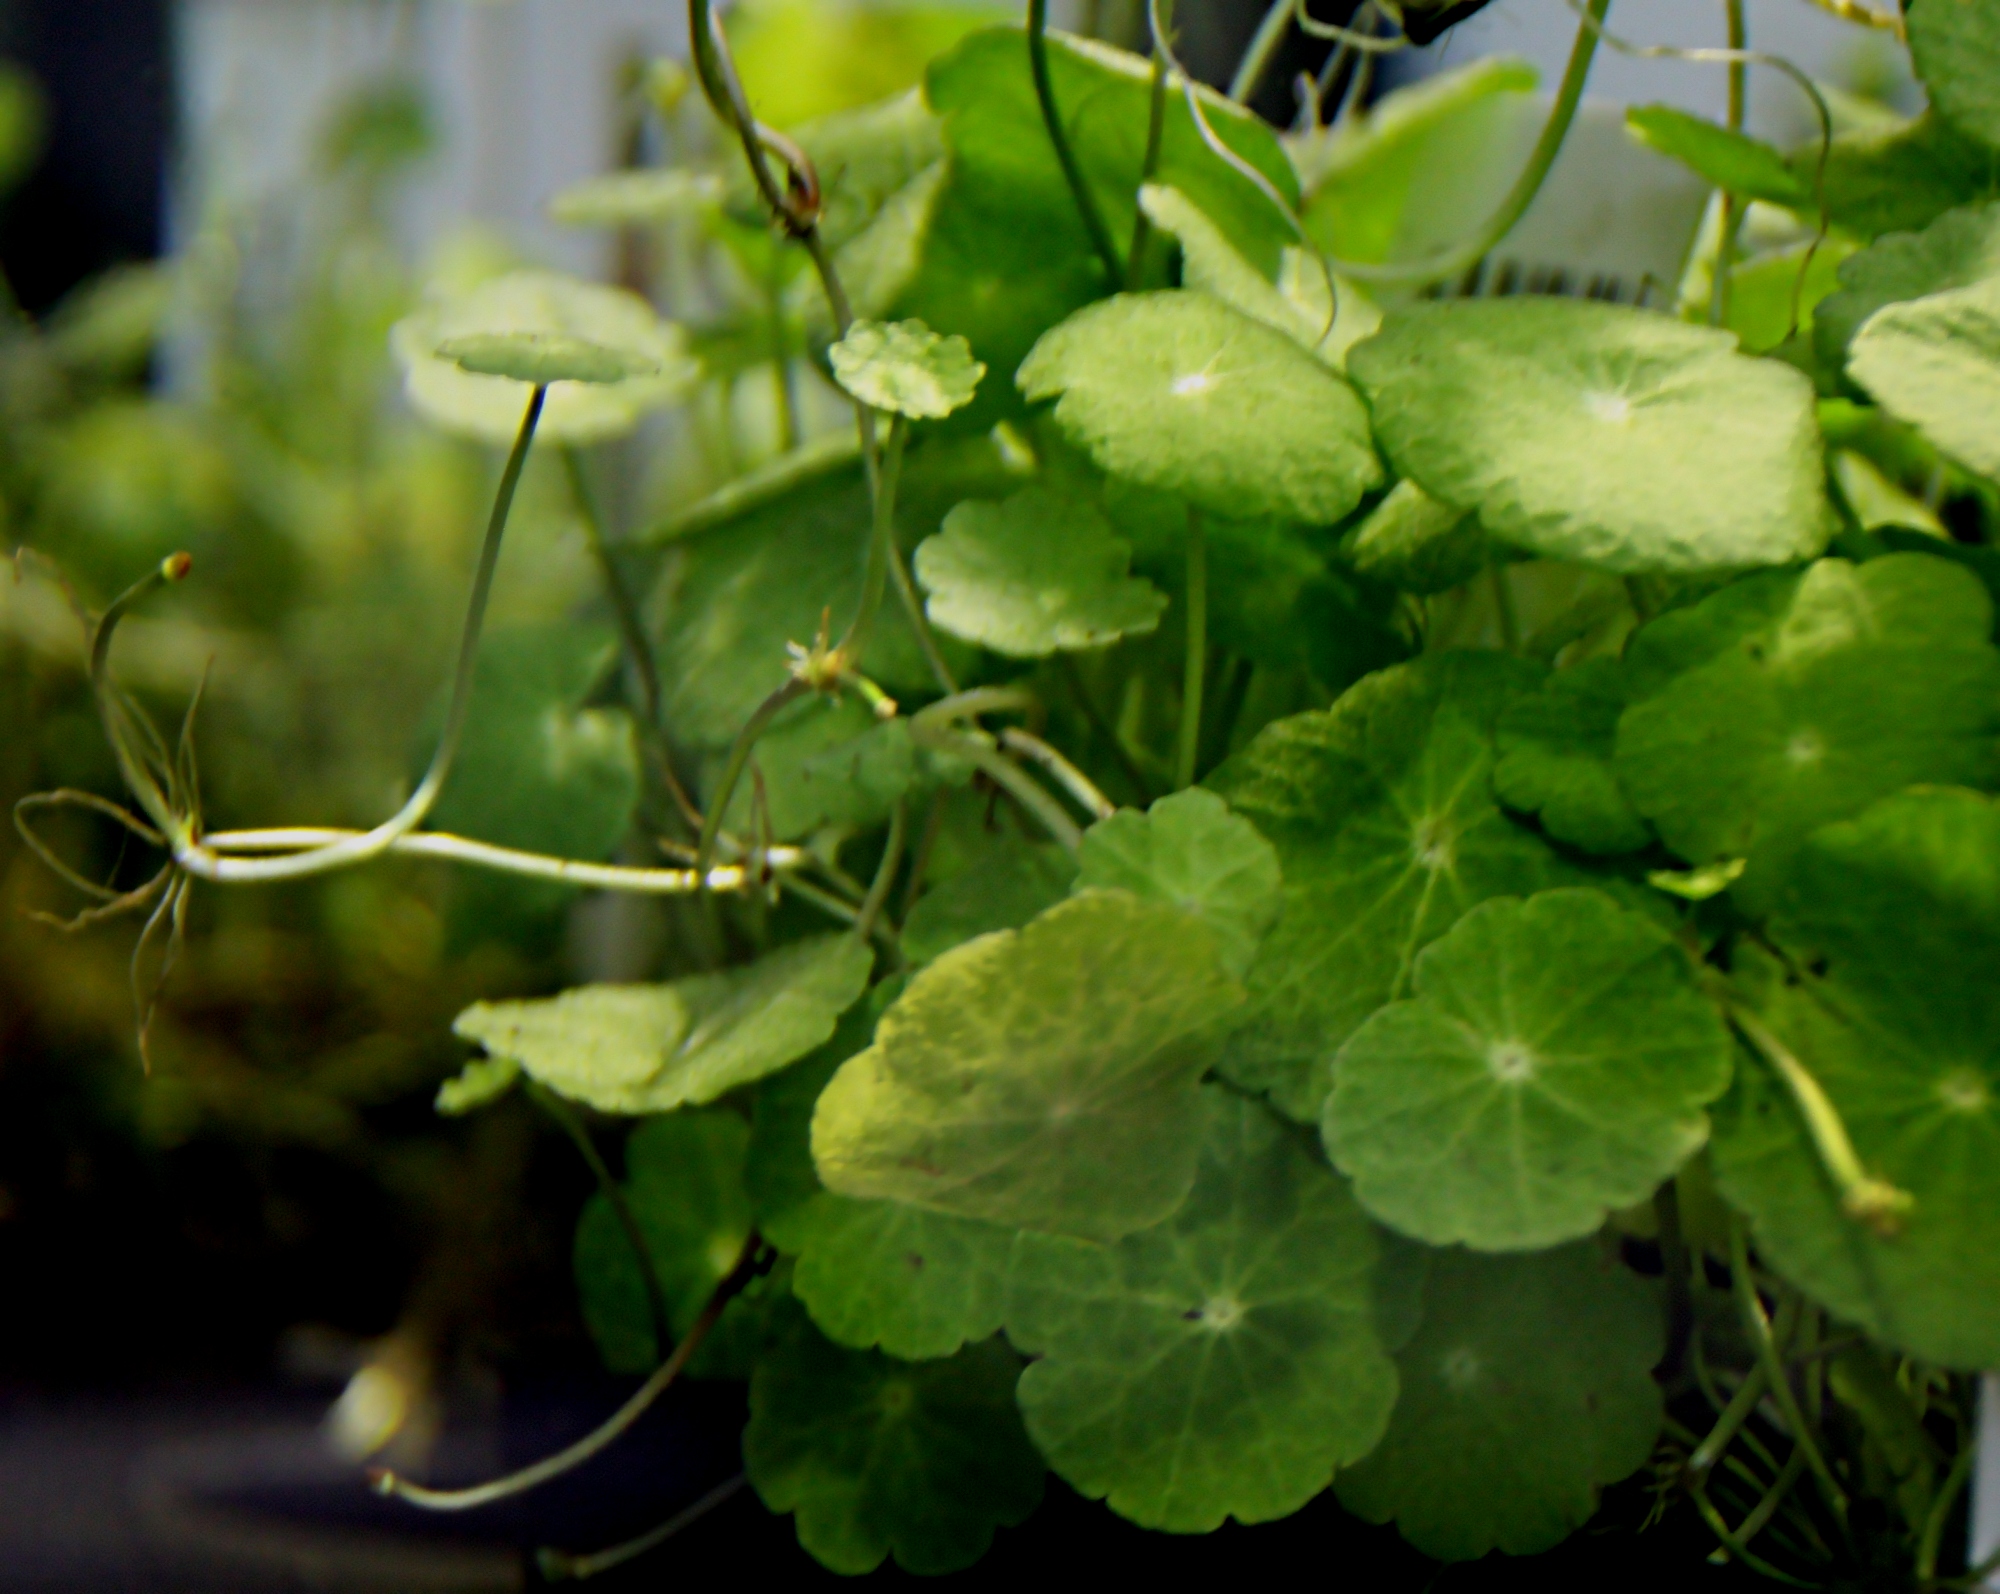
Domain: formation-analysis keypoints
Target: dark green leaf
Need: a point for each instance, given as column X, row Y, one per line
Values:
column 1556, row 752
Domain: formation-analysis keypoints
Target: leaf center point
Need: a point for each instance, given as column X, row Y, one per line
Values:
column 1964, row 1090
column 1219, row 1313
column 1613, row 409
column 1511, row 1062
column 1433, row 845
column 1460, row 1368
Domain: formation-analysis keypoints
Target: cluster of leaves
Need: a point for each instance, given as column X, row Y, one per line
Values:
column 1556, row 827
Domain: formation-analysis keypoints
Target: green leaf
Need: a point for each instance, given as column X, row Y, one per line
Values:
column 826, row 762
column 805, row 62
column 1296, row 304
column 1732, row 161
column 1038, row 574
column 1177, row 391
column 652, row 1048
column 648, row 196
column 1002, row 890
column 1556, row 752
column 543, row 357
column 1419, row 169
column 1958, row 249
column 1854, row 682
column 1039, row 1078
column 1382, row 812
column 1609, row 437
column 1956, row 48
column 535, row 770
column 684, row 1188
column 915, row 1282
column 1223, row 1363
column 905, row 368
column 1935, row 362
column 1897, row 179
column 1895, row 919
column 1551, row 1068
column 479, row 1083
column 877, row 1457
column 1527, row 1388
column 1191, row 852
column 550, row 327
column 1417, row 544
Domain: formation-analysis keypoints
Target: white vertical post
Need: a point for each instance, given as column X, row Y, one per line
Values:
column 1986, row 1478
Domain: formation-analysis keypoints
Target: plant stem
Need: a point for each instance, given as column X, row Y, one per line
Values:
column 1142, row 224
column 558, row 1566
column 885, row 873
column 1079, row 187
column 1073, row 678
column 881, row 542
column 1758, row 1324
column 1503, row 606
column 201, row 862
column 1734, row 1416
column 608, row 1187
column 1732, row 203
column 1458, row 258
column 1875, row 1202
column 1262, row 50
column 1940, row 1512
column 971, row 704
column 608, row 1432
column 485, row 855
column 1007, row 775
column 732, row 772
column 1678, row 1266
column 1195, row 670
column 1072, row 780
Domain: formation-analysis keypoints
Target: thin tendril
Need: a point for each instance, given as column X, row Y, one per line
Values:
column 1045, row 95
column 1349, row 38
column 560, row 1566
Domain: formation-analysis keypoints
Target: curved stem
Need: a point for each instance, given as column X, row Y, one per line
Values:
column 881, row 542
column 1007, row 775
column 1262, row 50
column 1940, row 1511
column 558, row 1566
column 739, row 757
column 607, row 1433
column 920, row 623
column 885, row 874
column 1195, row 670
column 214, row 862
column 193, row 857
column 1875, row 1202
column 621, row 1209
column 1072, row 780
column 1079, row 187
column 972, row 704
column 1156, row 123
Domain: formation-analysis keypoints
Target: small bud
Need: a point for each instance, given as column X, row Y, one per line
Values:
column 1880, row 1206
column 175, row 566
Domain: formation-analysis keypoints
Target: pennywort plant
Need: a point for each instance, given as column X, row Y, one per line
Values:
column 1329, row 879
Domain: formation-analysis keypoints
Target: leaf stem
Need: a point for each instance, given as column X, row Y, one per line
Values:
column 739, row 757
column 606, row 1433
column 1195, row 669
column 1006, row 774
column 1262, row 50
column 1156, row 122
column 1874, row 1202
column 1940, row 1511
column 1732, row 203
column 1758, row 1325
column 614, row 1195
column 200, row 860
column 1079, row 187
column 1503, row 605
column 1067, row 775
column 881, row 541
column 1678, row 1266
column 558, row 1566
column 885, row 873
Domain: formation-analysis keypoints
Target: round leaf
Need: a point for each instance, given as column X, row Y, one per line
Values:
column 1527, row 1387
column 1956, row 47
column 1935, row 362
column 1895, row 917
column 1958, row 249
column 877, row 1457
column 906, row 368
column 1038, row 574
column 1382, row 812
column 1223, row 1363
column 1857, row 681
column 540, row 358
column 533, row 326
column 1177, row 391
column 1555, row 759
column 1600, row 435
column 1191, row 851
column 1038, row 1078
column 1552, row 1067
column 651, row 1048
